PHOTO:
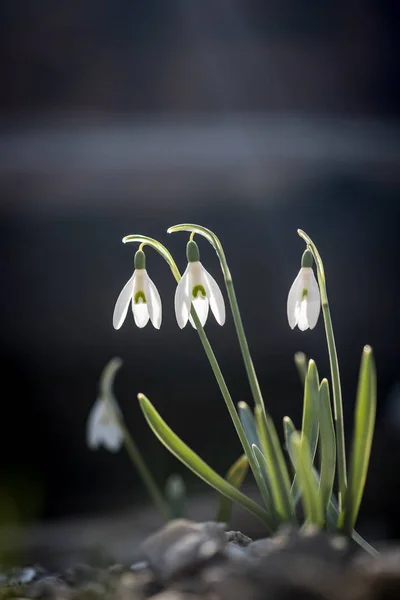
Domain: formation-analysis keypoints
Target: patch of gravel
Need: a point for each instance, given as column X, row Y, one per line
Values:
column 186, row 560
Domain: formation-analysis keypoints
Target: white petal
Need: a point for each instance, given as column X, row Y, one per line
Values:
column 140, row 313
column 102, row 427
column 215, row 296
column 182, row 299
column 122, row 303
column 201, row 306
column 112, row 437
column 140, row 309
column 92, row 437
column 313, row 301
column 153, row 302
column 294, row 299
column 301, row 315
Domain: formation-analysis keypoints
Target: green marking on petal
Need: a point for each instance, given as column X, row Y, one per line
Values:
column 198, row 290
column 304, row 293
column 139, row 297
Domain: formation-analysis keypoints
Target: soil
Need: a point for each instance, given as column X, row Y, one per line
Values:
column 187, row 560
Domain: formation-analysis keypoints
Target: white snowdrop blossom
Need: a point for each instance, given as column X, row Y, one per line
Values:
column 143, row 295
column 199, row 288
column 102, row 426
column 304, row 301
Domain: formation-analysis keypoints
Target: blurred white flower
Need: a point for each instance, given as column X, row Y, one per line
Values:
column 304, row 301
column 102, row 426
column 143, row 295
column 197, row 286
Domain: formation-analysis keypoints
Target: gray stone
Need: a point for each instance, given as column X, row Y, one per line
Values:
column 260, row 548
column 183, row 545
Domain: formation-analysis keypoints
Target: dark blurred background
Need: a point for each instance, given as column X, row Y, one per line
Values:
column 251, row 117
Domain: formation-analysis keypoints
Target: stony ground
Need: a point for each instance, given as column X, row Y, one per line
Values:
column 186, row 560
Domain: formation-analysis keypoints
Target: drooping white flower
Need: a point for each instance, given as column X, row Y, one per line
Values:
column 143, row 295
column 199, row 288
column 304, row 301
column 102, row 426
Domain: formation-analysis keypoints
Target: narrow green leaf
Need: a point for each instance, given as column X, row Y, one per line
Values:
column 288, row 429
column 365, row 413
column 262, row 464
column 327, row 442
column 268, row 498
column 191, row 460
column 276, row 467
column 300, row 360
column 249, row 423
column 250, row 427
column 235, row 476
column 310, row 424
column 310, row 497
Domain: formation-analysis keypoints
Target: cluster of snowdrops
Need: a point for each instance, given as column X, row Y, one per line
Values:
column 312, row 467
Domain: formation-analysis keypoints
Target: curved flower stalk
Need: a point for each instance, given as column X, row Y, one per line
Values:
column 198, row 288
column 304, row 300
column 216, row 244
column 142, row 294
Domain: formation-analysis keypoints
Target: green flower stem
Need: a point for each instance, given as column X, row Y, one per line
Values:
column 106, row 391
column 214, row 241
column 333, row 359
column 148, row 479
column 212, row 360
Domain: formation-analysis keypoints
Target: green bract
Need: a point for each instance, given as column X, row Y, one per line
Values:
column 304, row 470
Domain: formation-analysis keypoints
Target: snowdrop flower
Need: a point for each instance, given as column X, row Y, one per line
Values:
column 304, row 301
column 144, row 296
column 197, row 287
column 103, row 428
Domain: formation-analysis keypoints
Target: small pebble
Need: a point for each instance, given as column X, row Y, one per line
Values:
column 236, row 537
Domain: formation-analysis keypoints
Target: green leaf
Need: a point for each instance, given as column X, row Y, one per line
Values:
column 235, row 476
column 327, row 443
column 365, row 413
column 310, row 497
column 276, row 467
column 288, row 429
column 191, row 460
column 250, row 428
column 310, row 424
column 249, row 423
